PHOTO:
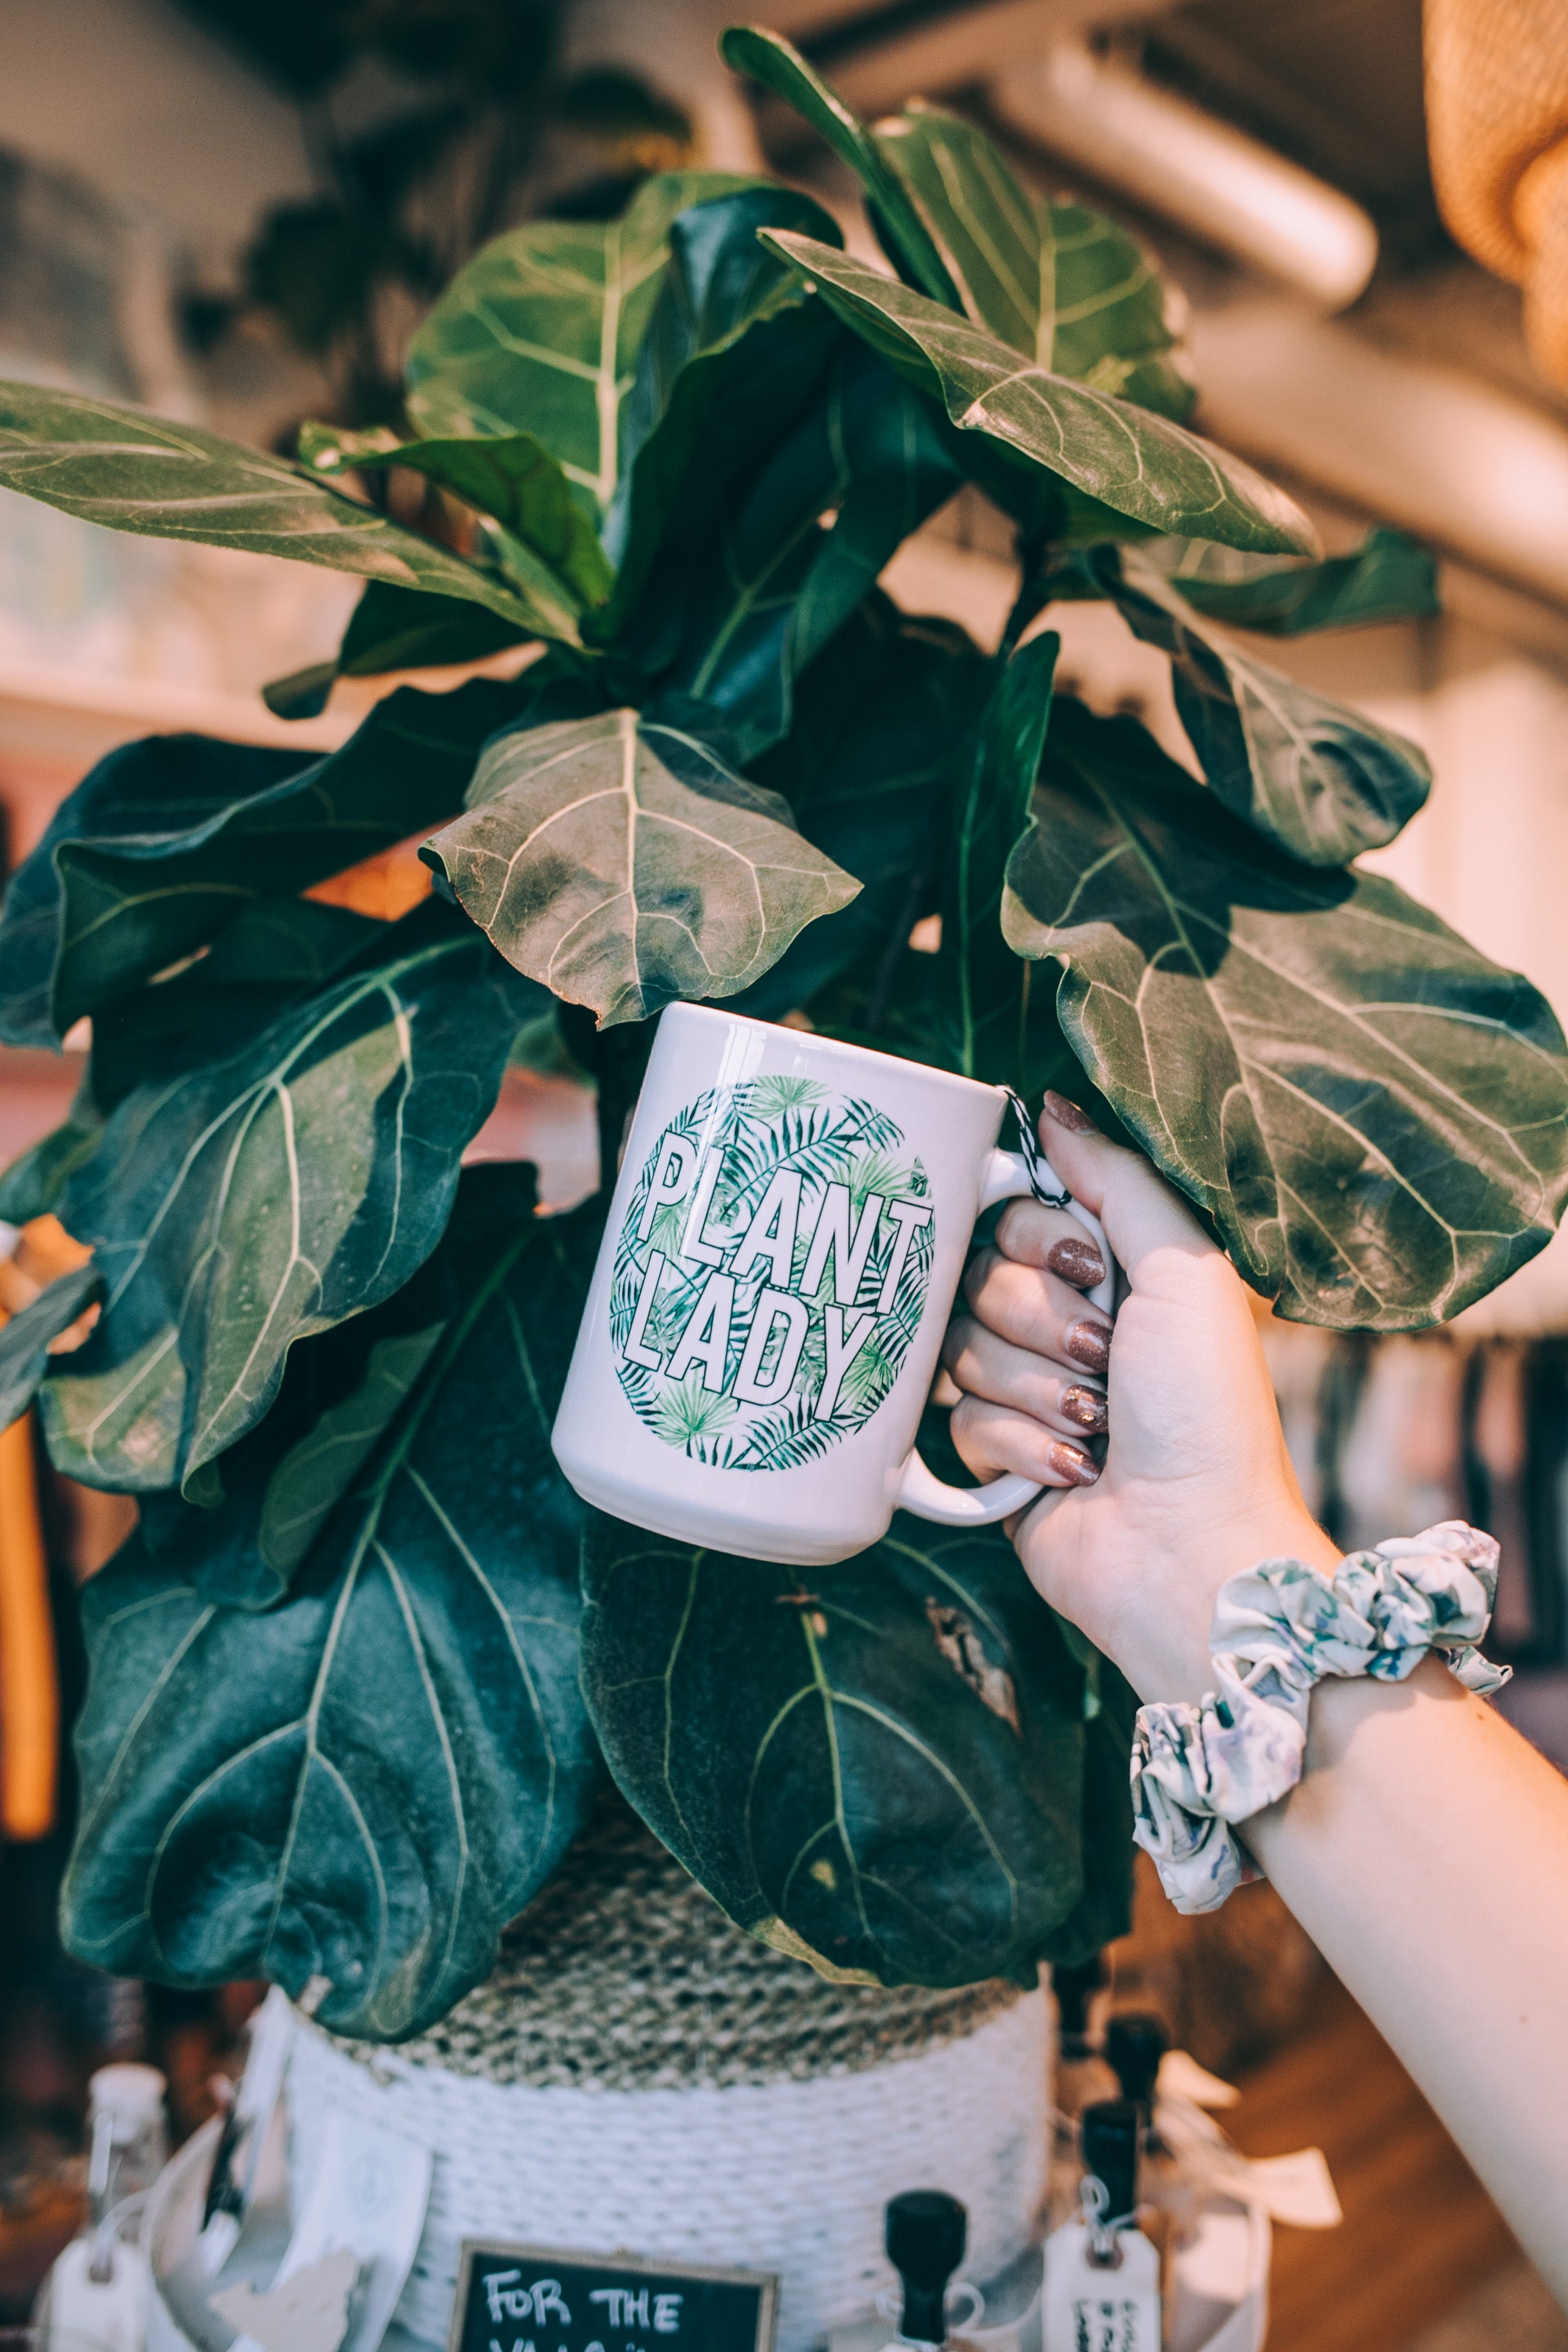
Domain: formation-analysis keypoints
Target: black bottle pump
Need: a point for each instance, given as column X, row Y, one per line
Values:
column 1074, row 1990
column 1135, row 2041
column 1111, row 2131
column 926, row 2233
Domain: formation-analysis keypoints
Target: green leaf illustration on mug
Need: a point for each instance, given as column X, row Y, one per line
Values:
column 772, row 1273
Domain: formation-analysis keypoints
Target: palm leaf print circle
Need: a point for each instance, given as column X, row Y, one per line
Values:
column 772, row 1273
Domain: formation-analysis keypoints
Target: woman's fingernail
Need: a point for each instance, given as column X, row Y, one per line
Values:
column 1068, row 1114
column 1070, row 1462
column 1079, row 1263
column 1089, row 1344
column 1087, row 1407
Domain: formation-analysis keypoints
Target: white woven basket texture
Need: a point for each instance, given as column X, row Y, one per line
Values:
column 783, row 2176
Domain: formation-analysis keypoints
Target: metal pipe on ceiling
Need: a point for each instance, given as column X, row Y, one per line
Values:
column 876, row 57
column 1100, row 114
column 1470, row 469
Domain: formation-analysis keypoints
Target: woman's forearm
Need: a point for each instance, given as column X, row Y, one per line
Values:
column 1425, row 1847
column 1425, row 1851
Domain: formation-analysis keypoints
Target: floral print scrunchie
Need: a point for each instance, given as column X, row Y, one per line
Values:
column 1277, row 1629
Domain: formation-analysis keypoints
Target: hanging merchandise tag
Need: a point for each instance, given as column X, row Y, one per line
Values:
column 232, row 2183
column 1180, row 2077
column 1295, row 2189
column 109, row 2311
column 1094, row 2307
column 353, row 2247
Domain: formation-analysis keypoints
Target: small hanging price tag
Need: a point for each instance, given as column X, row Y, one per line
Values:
column 97, row 2294
column 1102, row 2289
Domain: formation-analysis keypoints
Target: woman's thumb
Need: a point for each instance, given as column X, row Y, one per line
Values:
column 1138, row 1210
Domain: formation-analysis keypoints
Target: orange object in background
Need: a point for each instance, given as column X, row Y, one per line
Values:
column 43, row 1252
column 391, row 884
column 1497, row 127
column 29, row 1683
column 29, row 1679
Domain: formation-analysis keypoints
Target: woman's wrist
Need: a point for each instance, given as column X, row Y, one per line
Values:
column 1340, row 1708
column 1160, row 1639
column 1204, row 1770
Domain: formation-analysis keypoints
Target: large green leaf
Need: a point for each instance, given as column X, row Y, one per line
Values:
column 1047, row 508
column 904, row 769
column 364, row 1784
column 169, row 838
column 893, row 759
column 878, row 1766
column 248, row 1203
column 26, row 1338
column 1140, row 464
column 540, row 334
column 1054, row 280
column 160, row 789
column 985, row 986
column 988, row 228
column 622, row 865
column 1112, row 322
column 882, row 733
column 136, row 472
column 249, row 1520
column 771, row 581
column 260, row 1508
column 275, row 952
column 776, row 63
column 548, row 545
column 1375, row 1116
column 1059, row 283
column 1322, row 782
column 733, row 352
column 394, row 628
column 1387, row 578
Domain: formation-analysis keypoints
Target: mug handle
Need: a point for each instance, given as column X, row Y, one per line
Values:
column 1006, row 1177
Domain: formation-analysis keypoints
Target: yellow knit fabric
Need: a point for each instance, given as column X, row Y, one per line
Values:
column 1497, row 125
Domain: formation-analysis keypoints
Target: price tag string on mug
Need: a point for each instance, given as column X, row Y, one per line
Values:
column 1034, row 1158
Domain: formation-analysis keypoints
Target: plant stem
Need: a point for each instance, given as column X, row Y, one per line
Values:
column 1033, row 597
column 617, row 1058
column 893, row 954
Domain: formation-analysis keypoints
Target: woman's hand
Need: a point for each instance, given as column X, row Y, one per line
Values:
column 1424, row 1849
column 1197, row 1482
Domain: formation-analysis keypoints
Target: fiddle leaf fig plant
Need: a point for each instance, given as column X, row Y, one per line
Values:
column 356, row 1677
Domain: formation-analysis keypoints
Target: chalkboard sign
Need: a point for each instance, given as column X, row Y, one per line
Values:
column 555, row 2299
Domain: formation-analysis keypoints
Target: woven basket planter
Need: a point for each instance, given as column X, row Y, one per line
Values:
column 638, row 2074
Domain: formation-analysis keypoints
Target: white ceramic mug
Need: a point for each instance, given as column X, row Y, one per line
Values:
column 784, row 1247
